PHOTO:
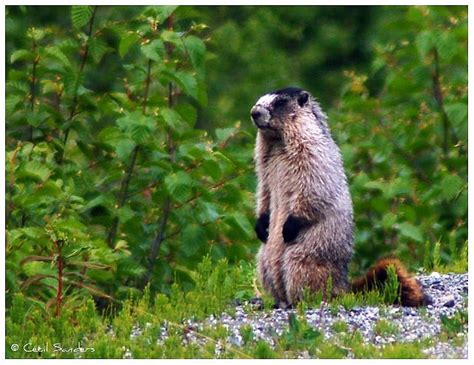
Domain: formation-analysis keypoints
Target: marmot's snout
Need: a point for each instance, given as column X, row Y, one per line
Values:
column 260, row 116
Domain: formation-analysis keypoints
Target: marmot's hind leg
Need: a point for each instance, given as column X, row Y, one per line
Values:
column 313, row 275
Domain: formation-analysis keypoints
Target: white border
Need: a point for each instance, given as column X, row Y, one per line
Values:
column 262, row 2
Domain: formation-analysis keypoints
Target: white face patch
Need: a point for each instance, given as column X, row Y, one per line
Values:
column 266, row 100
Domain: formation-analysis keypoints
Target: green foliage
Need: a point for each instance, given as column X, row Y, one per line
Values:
column 402, row 138
column 391, row 287
column 385, row 328
column 139, row 190
column 454, row 324
column 165, row 330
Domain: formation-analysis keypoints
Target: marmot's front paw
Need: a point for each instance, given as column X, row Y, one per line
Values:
column 292, row 227
column 261, row 227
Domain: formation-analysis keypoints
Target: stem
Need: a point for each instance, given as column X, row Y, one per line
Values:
column 59, row 292
column 33, row 87
column 126, row 182
column 147, row 86
column 75, row 98
column 122, row 196
column 166, row 208
column 11, row 185
column 438, row 95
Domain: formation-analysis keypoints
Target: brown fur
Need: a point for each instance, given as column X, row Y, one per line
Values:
column 411, row 293
column 301, row 179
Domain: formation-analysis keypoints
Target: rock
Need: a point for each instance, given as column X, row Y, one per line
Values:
column 448, row 301
column 256, row 303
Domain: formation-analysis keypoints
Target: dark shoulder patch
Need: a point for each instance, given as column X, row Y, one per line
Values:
column 290, row 91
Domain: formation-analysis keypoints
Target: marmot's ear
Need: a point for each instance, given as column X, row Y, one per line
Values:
column 303, row 98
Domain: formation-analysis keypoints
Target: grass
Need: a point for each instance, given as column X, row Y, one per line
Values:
column 457, row 264
column 385, row 328
column 215, row 289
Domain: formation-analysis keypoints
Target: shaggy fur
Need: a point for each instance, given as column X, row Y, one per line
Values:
column 304, row 208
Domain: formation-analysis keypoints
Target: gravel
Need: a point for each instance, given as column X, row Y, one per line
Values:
column 448, row 291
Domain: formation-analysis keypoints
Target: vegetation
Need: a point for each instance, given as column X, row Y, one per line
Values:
column 159, row 327
column 129, row 157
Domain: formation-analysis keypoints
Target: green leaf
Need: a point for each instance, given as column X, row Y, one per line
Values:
column 80, row 15
column 72, row 81
column 21, row 55
column 125, row 214
column 196, row 50
column 171, row 118
column 375, row 185
column 185, row 81
column 160, row 12
column 137, row 125
column 212, row 168
column 34, row 170
column 188, row 113
column 110, row 135
column 206, row 211
column 425, row 42
column 155, row 50
column 223, row 134
column 126, row 41
column 240, row 221
column 124, row 148
column 171, row 37
column 193, row 237
column 450, row 186
column 56, row 53
column 409, row 230
column 457, row 114
column 178, row 186
column 97, row 48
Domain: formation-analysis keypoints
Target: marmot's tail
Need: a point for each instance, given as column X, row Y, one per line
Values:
column 411, row 292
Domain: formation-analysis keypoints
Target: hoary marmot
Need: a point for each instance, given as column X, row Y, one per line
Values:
column 304, row 208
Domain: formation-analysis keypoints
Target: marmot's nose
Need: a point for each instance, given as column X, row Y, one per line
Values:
column 255, row 114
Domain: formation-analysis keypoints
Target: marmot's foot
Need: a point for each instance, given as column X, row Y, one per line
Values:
column 292, row 228
column 261, row 227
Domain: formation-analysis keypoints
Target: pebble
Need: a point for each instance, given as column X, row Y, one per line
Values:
column 448, row 291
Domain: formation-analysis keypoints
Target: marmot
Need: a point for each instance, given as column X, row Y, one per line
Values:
column 304, row 207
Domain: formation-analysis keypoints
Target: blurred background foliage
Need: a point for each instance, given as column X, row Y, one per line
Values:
column 129, row 145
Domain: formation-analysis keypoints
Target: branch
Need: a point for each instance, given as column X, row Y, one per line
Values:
column 438, row 95
column 122, row 196
column 166, row 209
column 33, row 86
column 75, row 98
column 126, row 182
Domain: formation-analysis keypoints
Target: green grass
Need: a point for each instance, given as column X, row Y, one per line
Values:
column 216, row 285
column 385, row 328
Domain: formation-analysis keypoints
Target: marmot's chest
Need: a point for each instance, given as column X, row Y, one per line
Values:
column 281, row 186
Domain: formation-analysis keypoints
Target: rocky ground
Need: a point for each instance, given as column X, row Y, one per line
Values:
column 448, row 291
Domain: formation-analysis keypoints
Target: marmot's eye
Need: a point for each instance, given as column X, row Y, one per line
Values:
column 280, row 103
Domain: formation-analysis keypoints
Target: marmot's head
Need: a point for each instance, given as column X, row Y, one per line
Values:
column 282, row 109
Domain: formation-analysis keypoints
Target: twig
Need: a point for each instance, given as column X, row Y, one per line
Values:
column 122, row 196
column 166, row 208
column 438, row 95
column 33, row 86
column 75, row 98
column 60, row 266
column 11, row 185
